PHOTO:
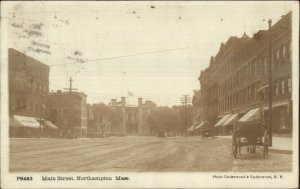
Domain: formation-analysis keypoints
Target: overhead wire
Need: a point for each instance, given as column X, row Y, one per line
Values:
column 135, row 54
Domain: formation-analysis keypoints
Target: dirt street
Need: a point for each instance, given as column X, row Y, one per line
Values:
column 136, row 154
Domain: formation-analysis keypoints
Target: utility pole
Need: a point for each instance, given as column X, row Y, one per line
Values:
column 185, row 99
column 270, row 85
column 70, row 89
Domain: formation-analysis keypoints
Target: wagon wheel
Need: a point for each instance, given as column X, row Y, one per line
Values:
column 265, row 144
column 234, row 147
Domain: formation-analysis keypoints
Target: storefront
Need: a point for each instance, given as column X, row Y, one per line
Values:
column 219, row 129
column 50, row 130
column 228, row 125
column 281, row 117
column 22, row 126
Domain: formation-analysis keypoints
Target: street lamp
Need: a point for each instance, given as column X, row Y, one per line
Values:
column 270, row 85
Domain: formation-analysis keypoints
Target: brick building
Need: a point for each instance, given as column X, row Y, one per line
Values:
column 235, row 76
column 198, row 110
column 28, row 88
column 28, row 84
column 68, row 110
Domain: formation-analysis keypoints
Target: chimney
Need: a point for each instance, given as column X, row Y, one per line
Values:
column 123, row 101
column 113, row 102
column 140, row 102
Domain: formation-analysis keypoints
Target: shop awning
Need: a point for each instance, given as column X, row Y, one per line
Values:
column 191, row 128
column 263, row 88
column 251, row 115
column 222, row 120
column 14, row 123
column 200, row 125
column 230, row 120
column 277, row 104
column 27, row 121
column 50, row 125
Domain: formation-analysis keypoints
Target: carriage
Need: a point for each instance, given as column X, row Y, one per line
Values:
column 207, row 133
column 250, row 134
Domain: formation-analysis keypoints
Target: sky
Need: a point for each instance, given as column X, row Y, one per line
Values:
column 154, row 50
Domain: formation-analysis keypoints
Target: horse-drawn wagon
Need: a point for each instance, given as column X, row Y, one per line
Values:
column 250, row 133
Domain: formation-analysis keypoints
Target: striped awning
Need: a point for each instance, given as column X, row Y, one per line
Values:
column 191, row 128
column 200, row 125
column 251, row 115
column 222, row 120
column 14, row 123
column 50, row 125
column 27, row 121
column 230, row 120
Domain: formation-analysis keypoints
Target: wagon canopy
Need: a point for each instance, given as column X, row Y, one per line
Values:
column 251, row 115
column 222, row 120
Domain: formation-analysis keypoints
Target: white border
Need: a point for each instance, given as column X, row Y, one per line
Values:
column 150, row 180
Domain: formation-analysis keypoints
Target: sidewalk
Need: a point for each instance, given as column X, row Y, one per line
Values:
column 280, row 144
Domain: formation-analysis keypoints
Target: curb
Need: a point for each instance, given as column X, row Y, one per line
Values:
column 273, row 150
column 281, row 151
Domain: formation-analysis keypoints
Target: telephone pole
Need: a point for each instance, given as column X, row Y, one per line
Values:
column 70, row 89
column 270, row 85
column 185, row 99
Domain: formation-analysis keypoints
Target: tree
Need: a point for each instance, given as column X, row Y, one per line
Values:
column 185, row 118
column 163, row 119
column 102, row 117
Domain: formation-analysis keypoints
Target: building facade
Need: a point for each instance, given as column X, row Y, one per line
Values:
column 198, row 109
column 28, row 88
column 234, row 80
column 28, row 85
column 119, row 118
column 68, row 110
column 133, row 119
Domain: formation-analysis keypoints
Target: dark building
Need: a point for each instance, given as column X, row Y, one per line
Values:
column 28, row 88
column 238, row 74
column 28, row 84
column 68, row 110
column 198, row 111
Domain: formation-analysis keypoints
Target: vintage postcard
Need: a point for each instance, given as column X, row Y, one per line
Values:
column 149, row 94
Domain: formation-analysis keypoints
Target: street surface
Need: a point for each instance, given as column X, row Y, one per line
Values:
column 138, row 154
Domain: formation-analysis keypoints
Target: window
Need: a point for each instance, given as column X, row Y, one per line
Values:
column 276, row 89
column 33, row 87
column 283, row 50
column 277, row 54
column 290, row 85
column 28, row 108
column 290, row 49
column 18, row 103
column 282, row 87
column 24, row 103
column 265, row 65
column 22, row 85
column 36, row 108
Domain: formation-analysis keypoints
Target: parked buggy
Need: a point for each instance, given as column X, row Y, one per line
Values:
column 207, row 134
column 251, row 135
column 161, row 134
